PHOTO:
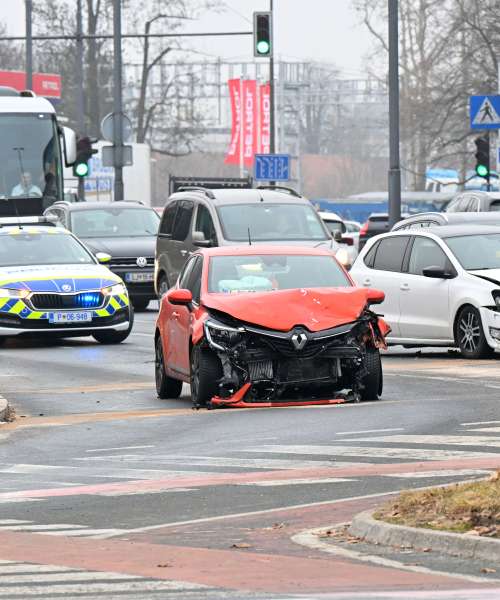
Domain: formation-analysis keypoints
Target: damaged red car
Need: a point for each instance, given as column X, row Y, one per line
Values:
column 268, row 326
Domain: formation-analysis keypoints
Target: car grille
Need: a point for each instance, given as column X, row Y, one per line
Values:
column 300, row 370
column 67, row 301
column 260, row 370
column 130, row 262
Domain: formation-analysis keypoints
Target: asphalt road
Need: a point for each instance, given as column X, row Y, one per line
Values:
column 106, row 490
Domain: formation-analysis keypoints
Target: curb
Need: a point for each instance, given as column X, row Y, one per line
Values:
column 4, row 408
column 457, row 544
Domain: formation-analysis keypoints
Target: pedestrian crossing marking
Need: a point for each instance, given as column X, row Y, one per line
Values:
column 449, row 440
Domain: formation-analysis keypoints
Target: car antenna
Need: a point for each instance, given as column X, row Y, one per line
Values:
column 249, row 237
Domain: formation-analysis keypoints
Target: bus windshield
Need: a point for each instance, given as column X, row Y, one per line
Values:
column 30, row 158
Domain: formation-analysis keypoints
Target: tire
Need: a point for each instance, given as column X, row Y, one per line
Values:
column 166, row 387
column 163, row 287
column 373, row 380
column 469, row 334
column 206, row 370
column 115, row 337
column 140, row 304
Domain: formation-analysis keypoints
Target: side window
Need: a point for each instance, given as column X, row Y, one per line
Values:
column 194, row 279
column 167, row 222
column 186, row 271
column 370, row 255
column 182, row 220
column 426, row 253
column 453, row 206
column 473, row 205
column 205, row 224
column 390, row 253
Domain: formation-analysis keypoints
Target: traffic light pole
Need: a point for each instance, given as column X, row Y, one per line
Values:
column 488, row 184
column 394, row 164
column 118, row 102
column 272, row 123
column 79, row 77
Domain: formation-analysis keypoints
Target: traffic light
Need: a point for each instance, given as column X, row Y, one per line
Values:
column 262, row 34
column 483, row 156
column 84, row 151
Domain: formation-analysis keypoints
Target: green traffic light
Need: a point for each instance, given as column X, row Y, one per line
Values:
column 82, row 169
column 482, row 170
column 263, row 47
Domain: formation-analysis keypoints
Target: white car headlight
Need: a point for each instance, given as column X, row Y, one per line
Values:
column 114, row 290
column 9, row 293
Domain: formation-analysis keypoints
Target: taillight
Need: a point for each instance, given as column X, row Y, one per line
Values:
column 364, row 229
column 348, row 241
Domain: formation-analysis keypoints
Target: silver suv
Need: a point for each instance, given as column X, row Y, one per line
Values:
column 201, row 217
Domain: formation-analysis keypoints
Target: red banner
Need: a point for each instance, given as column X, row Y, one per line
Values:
column 251, row 121
column 47, row 85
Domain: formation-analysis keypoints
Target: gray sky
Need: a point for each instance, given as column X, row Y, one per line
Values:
column 314, row 29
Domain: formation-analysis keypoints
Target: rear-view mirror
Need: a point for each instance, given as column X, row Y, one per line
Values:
column 374, row 296
column 436, row 272
column 200, row 240
column 337, row 235
column 180, row 297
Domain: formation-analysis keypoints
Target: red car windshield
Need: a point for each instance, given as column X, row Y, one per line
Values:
column 268, row 272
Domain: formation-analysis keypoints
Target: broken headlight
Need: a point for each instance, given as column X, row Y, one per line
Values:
column 221, row 336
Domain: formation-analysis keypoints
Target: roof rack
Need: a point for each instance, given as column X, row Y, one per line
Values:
column 210, row 183
column 195, row 188
column 280, row 188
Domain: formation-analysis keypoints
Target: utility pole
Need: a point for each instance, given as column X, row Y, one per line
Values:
column 80, row 102
column 29, row 44
column 118, row 101
column 394, row 164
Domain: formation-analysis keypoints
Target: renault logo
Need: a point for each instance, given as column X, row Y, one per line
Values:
column 299, row 340
column 141, row 261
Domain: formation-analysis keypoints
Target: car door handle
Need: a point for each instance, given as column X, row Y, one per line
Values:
column 405, row 287
column 175, row 315
column 367, row 282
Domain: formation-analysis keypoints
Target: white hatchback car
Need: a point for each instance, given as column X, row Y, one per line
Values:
column 442, row 286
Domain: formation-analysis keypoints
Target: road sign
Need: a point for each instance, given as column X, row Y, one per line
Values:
column 108, row 156
column 108, row 127
column 272, row 167
column 485, row 112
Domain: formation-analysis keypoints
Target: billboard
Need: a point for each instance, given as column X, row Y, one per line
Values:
column 47, row 85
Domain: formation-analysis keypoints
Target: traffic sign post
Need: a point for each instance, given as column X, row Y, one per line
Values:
column 272, row 167
column 485, row 112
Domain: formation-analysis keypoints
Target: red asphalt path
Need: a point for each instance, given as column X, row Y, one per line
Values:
column 202, row 552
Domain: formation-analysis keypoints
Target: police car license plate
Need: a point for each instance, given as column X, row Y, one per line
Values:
column 139, row 277
column 70, row 317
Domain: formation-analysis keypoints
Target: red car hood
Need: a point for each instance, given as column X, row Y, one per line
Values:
column 316, row 308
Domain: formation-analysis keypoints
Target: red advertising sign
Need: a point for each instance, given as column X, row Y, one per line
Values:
column 47, row 85
column 251, row 125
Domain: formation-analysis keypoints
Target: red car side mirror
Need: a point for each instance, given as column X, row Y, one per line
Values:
column 180, row 297
column 375, row 297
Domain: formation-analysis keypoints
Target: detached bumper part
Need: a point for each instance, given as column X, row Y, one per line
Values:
column 237, row 400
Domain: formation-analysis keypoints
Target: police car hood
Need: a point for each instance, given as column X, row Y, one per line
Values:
column 122, row 247
column 57, row 278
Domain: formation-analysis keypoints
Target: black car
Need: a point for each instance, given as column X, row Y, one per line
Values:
column 124, row 230
column 376, row 223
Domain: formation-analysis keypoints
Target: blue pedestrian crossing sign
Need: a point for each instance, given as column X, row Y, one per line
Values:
column 272, row 167
column 485, row 112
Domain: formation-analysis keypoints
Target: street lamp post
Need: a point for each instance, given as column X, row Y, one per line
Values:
column 394, row 164
column 118, row 101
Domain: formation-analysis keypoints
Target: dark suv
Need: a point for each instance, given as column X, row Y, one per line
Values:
column 201, row 217
column 124, row 230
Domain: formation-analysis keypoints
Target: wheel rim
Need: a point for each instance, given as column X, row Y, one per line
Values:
column 159, row 366
column 195, row 375
column 469, row 332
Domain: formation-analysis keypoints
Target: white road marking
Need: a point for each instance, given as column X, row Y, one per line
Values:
column 85, row 532
column 13, row 522
column 486, row 429
column 120, row 448
column 282, row 482
column 481, row 423
column 449, row 473
column 89, row 587
column 254, row 513
column 28, row 568
column 446, row 440
column 66, row 576
column 370, row 431
column 38, row 528
column 376, row 452
column 21, row 468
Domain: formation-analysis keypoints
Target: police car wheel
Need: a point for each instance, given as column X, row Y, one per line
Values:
column 166, row 387
column 115, row 337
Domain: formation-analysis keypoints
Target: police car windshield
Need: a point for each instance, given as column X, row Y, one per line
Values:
column 114, row 222
column 20, row 247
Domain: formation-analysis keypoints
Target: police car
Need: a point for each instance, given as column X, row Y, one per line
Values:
column 51, row 283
